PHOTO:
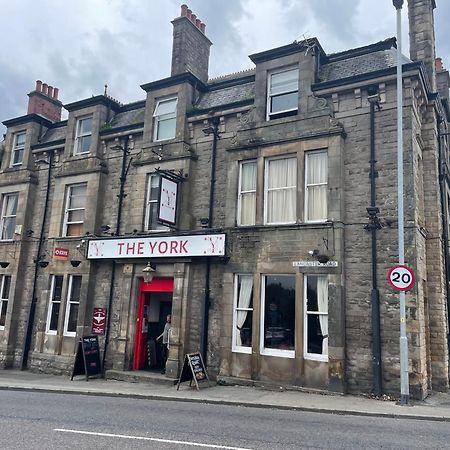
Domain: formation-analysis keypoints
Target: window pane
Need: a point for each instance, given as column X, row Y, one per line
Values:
column 76, row 215
column 73, row 316
column 315, row 338
column 154, row 187
column 317, row 168
column 279, row 312
column 166, row 129
column 6, row 286
column 77, row 196
column 54, row 317
column 244, row 313
column 248, row 176
column 166, row 107
column 57, row 288
column 282, row 173
column 74, row 229
column 3, row 309
column 11, row 204
column 281, row 206
column 9, row 225
column 284, row 82
column 86, row 125
column 317, row 324
column 284, row 102
column 20, row 140
column 317, row 203
column 84, row 144
column 248, row 209
column 18, row 156
column 76, row 288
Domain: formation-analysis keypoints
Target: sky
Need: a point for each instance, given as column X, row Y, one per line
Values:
column 81, row 45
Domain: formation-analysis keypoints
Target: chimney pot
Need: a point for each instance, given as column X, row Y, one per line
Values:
column 55, row 93
column 202, row 27
column 184, row 10
column 45, row 88
column 38, row 85
column 50, row 91
column 193, row 18
column 188, row 13
column 197, row 23
column 438, row 64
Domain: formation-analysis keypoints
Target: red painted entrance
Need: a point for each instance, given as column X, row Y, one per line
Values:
column 154, row 300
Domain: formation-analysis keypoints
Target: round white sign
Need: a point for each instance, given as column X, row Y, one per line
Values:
column 401, row 278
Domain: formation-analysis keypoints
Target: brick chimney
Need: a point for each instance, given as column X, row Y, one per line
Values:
column 422, row 41
column 44, row 101
column 190, row 51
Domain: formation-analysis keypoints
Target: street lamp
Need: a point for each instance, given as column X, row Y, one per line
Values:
column 149, row 272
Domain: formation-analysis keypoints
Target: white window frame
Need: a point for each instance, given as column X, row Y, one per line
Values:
column 67, row 209
column 4, row 299
column 266, row 188
column 239, row 348
column 269, row 113
column 69, row 304
column 51, row 302
column 79, row 136
column 272, row 351
column 306, row 355
column 5, row 201
column 158, row 118
column 308, row 185
column 18, row 148
column 148, row 203
column 242, row 193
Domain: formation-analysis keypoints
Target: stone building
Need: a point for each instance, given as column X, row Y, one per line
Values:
column 258, row 208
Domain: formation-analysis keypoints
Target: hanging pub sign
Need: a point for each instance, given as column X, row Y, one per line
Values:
column 193, row 369
column 157, row 247
column 168, row 196
column 99, row 321
column 87, row 360
column 61, row 253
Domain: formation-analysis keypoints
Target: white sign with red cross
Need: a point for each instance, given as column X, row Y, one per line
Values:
column 401, row 277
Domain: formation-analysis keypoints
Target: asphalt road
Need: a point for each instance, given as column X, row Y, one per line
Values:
column 31, row 420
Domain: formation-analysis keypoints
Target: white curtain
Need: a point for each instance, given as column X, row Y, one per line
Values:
column 281, row 190
column 322, row 303
column 316, row 183
column 248, row 193
column 244, row 298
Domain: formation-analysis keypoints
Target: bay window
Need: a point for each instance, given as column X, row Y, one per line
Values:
column 282, row 96
column 280, row 191
column 278, row 315
column 75, row 210
column 8, row 219
column 316, row 317
column 247, row 193
column 165, row 119
column 316, row 185
column 243, row 313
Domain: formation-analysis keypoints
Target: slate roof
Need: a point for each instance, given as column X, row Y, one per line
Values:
column 129, row 117
column 227, row 95
column 358, row 65
column 55, row 134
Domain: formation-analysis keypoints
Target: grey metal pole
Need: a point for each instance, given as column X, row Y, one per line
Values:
column 404, row 373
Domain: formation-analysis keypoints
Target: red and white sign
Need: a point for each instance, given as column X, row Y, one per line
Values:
column 61, row 253
column 99, row 321
column 168, row 201
column 401, row 278
column 157, row 247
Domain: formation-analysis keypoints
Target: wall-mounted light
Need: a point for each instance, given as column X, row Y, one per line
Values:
column 75, row 262
column 149, row 272
column 4, row 264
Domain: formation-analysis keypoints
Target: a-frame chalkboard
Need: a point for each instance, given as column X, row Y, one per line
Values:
column 193, row 369
column 87, row 360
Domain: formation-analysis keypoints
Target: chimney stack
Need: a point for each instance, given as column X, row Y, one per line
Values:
column 190, row 51
column 44, row 101
column 422, row 41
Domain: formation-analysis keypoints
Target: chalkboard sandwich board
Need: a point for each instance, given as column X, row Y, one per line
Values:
column 87, row 360
column 193, row 369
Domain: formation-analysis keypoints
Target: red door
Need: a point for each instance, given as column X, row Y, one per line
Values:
column 144, row 298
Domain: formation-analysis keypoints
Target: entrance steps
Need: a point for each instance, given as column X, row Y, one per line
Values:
column 139, row 376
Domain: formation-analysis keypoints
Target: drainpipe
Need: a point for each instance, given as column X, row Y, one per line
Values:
column 120, row 196
column 214, row 130
column 37, row 260
column 374, row 225
column 442, row 191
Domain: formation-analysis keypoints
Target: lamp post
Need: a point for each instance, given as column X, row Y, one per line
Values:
column 404, row 374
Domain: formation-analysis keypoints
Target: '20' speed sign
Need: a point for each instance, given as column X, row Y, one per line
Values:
column 401, row 278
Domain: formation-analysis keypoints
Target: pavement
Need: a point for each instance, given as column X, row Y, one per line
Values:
column 435, row 407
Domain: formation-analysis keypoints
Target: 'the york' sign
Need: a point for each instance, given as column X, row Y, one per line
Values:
column 157, row 247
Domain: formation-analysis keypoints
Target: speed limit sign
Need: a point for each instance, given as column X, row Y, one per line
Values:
column 401, row 278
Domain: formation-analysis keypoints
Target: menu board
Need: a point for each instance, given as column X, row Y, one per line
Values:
column 193, row 369
column 87, row 360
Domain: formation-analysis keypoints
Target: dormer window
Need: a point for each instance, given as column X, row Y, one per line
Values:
column 83, row 136
column 165, row 116
column 282, row 94
column 18, row 149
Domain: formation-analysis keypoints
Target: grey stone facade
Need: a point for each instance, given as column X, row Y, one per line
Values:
column 332, row 115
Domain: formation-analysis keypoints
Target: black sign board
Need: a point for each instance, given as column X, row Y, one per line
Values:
column 193, row 369
column 87, row 359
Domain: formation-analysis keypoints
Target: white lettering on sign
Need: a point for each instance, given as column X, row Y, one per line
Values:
column 172, row 246
column 314, row 264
